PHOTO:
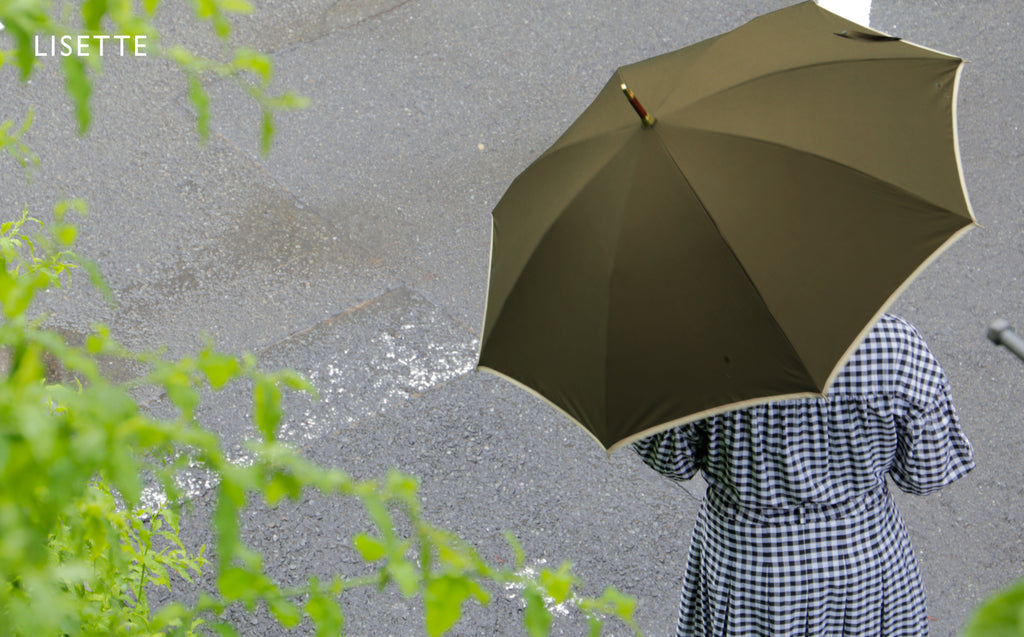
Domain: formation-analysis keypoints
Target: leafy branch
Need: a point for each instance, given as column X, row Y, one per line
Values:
column 10, row 143
column 79, row 551
column 95, row 20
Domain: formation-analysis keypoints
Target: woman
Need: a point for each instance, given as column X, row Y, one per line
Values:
column 798, row 534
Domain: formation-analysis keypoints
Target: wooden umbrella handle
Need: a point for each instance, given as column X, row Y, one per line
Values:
column 646, row 117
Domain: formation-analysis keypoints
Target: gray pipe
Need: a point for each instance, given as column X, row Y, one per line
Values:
column 1000, row 333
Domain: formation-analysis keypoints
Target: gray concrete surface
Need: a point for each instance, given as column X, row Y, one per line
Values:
column 356, row 252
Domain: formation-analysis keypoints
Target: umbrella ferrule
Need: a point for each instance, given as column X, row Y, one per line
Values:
column 645, row 117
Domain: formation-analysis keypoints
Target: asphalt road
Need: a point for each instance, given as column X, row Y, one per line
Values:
column 356, row 252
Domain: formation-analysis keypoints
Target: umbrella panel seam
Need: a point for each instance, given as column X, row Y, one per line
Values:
column 808, row 153
column 735, row 256
column 542, row 235
column 793, row 69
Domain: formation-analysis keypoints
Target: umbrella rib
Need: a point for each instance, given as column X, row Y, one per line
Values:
column 735, row 256
column 628, row 123
column 791, row 69
column 556, row 149
column 540, row 239
column 630, row 120
column 911, row 194
column 968, row 222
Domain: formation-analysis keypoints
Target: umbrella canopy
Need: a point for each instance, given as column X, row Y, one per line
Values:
column 733, row 246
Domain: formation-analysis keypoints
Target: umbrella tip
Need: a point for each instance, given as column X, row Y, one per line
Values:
column 645, row 117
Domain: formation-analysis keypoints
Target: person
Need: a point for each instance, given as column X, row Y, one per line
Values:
column 797, row 533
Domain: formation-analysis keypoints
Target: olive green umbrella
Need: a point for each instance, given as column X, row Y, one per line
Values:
column 732, row 244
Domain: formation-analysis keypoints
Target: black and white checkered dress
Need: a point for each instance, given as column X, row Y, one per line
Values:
column 798, row 534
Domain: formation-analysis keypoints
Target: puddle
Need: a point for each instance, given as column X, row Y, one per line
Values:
column 362, row 362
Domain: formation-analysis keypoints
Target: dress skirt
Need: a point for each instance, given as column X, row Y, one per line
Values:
column 818, row 570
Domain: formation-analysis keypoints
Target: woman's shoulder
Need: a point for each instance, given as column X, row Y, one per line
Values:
column 889, row 333
column 892, row 356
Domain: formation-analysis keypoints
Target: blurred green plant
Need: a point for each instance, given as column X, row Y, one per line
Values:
column 1000, row 615
column 12, row 144
column 79, row 551
column 29, row 22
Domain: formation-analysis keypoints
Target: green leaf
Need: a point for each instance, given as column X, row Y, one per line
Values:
column 183, row 58
column 613, row 603
column 405, row 575
column 1000, row 615
column 218, row 368
column 225, row 521
column 66, row 233
column 8, row 285
column 266, row 399
column 536, row 617
column 453, row 553
column 402, row 485
column 15, row 295
column 287, row 613
column 558, row 583
column 200, row 99
column 290, row 101
column 223, row 629
column 517, row 550
column 371, row 548
column 282, row 485
column 622, row 605
column 234, row 583
column 79, row 89
column 326, row 616
column 180, row 390
column 236, row 6
column 124, row 473
column 205, row 9
column 256, row 62
column 22, row 26
column 172, row 614
column 93, row 12
column 380, row 516
column 442, row 603
column 293, row 380
column 26, row 368
column 221, row 26
column 236, row 480
column 266, row 131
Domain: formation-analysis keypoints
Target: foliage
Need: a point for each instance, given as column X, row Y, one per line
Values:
column 78, row 550
column 1001, row 615
column 26, row 20
column 11, row 143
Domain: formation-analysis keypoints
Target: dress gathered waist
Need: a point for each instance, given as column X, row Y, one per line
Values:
column 720, row 504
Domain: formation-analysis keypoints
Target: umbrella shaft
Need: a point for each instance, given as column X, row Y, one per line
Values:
column 646, row 117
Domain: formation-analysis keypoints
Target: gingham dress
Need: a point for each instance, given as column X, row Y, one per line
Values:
column 798, row 534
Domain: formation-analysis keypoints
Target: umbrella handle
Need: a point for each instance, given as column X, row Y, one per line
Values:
column 1000, row 333
column 646, row 117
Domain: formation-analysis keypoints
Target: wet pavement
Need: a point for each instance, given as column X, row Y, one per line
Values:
column 356, row 252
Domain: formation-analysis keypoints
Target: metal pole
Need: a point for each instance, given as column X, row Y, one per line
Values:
column 1000, row 333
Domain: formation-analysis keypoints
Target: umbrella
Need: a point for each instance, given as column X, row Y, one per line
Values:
column 724, row 223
